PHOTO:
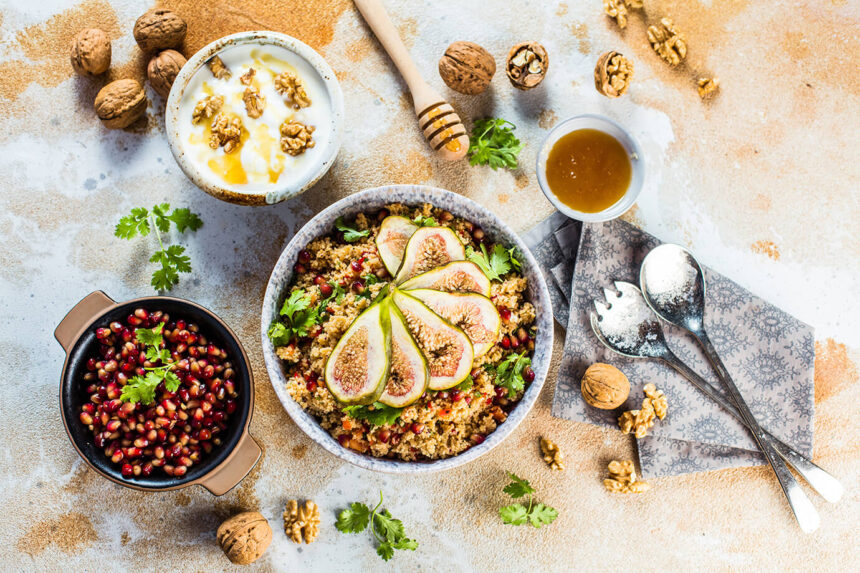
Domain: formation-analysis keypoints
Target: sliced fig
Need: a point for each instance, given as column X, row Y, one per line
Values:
column 409, row 374
column 428, row 248
column 394, row 233
column 358, row 367
column 474, row 313
column 458, row 276
column 447, row 348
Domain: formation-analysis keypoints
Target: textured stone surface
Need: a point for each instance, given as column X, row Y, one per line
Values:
column 761, row 183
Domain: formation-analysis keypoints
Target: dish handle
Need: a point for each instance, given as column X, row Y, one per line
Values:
column 244, row 458
column 81, row 314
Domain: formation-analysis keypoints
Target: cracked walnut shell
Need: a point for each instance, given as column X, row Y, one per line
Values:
column 668, row 42
column 90, row 55
column 159, row 29
column 604, row 386
column 120, row 103
column 244, row 537
column 612, row 74
column 527, row 65
column 302, row 523
column 163, row 69
column 467, row 68
column 551, row 454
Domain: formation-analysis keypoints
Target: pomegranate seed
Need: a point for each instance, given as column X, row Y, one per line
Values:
column 86, row 419
column 515, row 342
column 384, row 435
column 204, row 434
column 312, row 386
column 89, row 408
column 102, row 333
column 477, row 439
column 528, row 374
column 319, row 280
column 506, row 343
column 417, row 428
column 141, row 313
column 358, row 286
column 343, row 439
column 112, row 426
column 147, row 468
column 91, row 364
column 127, row 470
column 179, row 471
column 326, row 290
column 300, row 269
column 505, row 313
column 457, row 395
column 304, row 256
column 355, row 266
column 133, row 320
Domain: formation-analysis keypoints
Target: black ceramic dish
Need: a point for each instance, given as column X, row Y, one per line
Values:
column 222, row 469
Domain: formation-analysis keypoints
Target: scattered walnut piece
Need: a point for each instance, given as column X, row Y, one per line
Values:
column 527, row 65
column 302, row 523
column 296, row 137
column 290, row 85
column 226, row 132
column 708, row 87
column 612, row 74
column 668, row 41
column 640, row 421
column 551, row 454
column 219, row 69
column 634, row 4
column 206, row 108
column 658, row 400
column 622, row 479
column 248, row 76
column 254, row 102
column 616, row 10
column 244, row 537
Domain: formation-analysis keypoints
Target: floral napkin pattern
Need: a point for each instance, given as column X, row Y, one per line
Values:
column 769, row 353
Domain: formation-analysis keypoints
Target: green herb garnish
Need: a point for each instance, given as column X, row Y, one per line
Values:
column 389, row 532
column 465, row 384
column 298, row 319
column 423, row 221
column 494, row 144
column 142, row 388
column 509, row 374
column 496, row 264
column 350, row 234
column 369, row 279
column 534, row 514
column 171, row 258
column 378, row 414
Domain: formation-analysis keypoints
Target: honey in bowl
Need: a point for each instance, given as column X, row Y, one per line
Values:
column 588, row 170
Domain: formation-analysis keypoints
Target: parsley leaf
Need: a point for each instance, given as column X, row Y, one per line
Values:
column 377, row 414
column 385, row 550
column 160, row 213
column 542, row 514
column 299, row 317
column 142, row 388
column 150, row 336
column 134, row 224
column 350, row 234
column 495, row 265
column 516, row 514
column 512, row 256
column 509, row 374
column 534, row 514
column 494, row 144
column 518, row 487
column 354, row 519
column 423, row 221
column 185, row 219
column 389, row 532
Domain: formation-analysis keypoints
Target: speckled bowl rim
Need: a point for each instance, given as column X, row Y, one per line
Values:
column 282, row 191
column 371, row 199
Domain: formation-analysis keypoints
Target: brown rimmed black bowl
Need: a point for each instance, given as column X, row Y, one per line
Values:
column 222, row 469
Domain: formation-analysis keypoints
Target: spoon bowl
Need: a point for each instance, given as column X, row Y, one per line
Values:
column 673, row 284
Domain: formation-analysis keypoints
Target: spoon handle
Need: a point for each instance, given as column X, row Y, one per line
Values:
column 805, row 513
column 825, row 484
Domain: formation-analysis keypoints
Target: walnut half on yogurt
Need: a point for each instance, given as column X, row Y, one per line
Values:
column 252, row 117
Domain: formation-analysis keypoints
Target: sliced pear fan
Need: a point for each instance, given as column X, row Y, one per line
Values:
column 357, row 369
column 394, row 233
column 474, row 313
column 409, row 374
column 428, row 248
column 459, row 276
column 447, row 348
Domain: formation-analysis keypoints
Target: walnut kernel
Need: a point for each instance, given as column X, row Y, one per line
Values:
column 159, row 29
column 622, row 479
column 226, row 132
column 467, row 68
column 219, row 69
column 291, row 86
column 163, row 69
column 90, row 53
column 248, row 76
column 708, row 87
column 244, row 537
column 296, row 137
column 612, row 74
column 551, row 454
column 616, row 10
column 527, row 65
column 206, row 108
column 120, row 103
column 604, row 386
column 254, row 102
column 668, row 42
column 658, row 400
column 640, row 421
column 302, row 523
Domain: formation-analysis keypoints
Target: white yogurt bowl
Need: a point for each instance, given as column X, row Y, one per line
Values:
column 266, row 174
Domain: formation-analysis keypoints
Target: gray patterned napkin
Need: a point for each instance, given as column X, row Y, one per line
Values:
column 769, row 353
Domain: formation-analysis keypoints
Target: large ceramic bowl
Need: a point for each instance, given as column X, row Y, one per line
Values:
column 372, row 200
column 308, row 63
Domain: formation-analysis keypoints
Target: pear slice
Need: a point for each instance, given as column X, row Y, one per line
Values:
column 428, row 248
column 409, row 374
column 474, row 313
column 458, row 276
column 447, row 348
column 357, row 369
column 394, row 233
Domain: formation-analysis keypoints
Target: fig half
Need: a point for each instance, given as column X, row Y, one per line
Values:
column 474, row 313
column 394, row 233
column 357, row 369
column 458, row 276
column 409, row 374
column 428, row 248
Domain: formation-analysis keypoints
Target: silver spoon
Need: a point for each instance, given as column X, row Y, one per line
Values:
column 628, row 326
column 673, row 285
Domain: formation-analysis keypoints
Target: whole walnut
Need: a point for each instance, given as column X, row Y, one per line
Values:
column 467, row 68
column 91, row 52
column 159, row 29
column 120, row 103
column 604, row 386
column 244, row 537
column 163, row 69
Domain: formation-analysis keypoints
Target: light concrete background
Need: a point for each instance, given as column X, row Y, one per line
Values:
column 762, row 183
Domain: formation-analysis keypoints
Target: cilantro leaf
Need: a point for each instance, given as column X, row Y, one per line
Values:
column 423, row 221
column 183, row 218
column 354, row 519
column 134, row 224
column 171, row 381
column 518, row 487
column 509, row 374
column 141, row 388
column 299, row 317
column 495, row 265
column 298, row 300
column 408, row 544
column 390, row 528
column 278, row 334
column 150, row 336
column 164, row 278
column 541, row 514
column 385, row 550
column 512, row 256
column 159, row 213
column 494, row 144
column 515, row 514
column 350, row 234
column 377, row 414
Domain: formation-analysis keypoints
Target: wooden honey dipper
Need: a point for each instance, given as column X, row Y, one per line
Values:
column 441, row 125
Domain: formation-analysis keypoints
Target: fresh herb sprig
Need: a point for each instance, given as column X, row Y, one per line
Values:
column 350, row 234
column 172, row 258
column 509, row 374
column 494, row 144
column 496, row 264
column 389, row 532
column 377, row 414
column 423, row 221
column 298, row 318
column 142, row 388
column 534, row 514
